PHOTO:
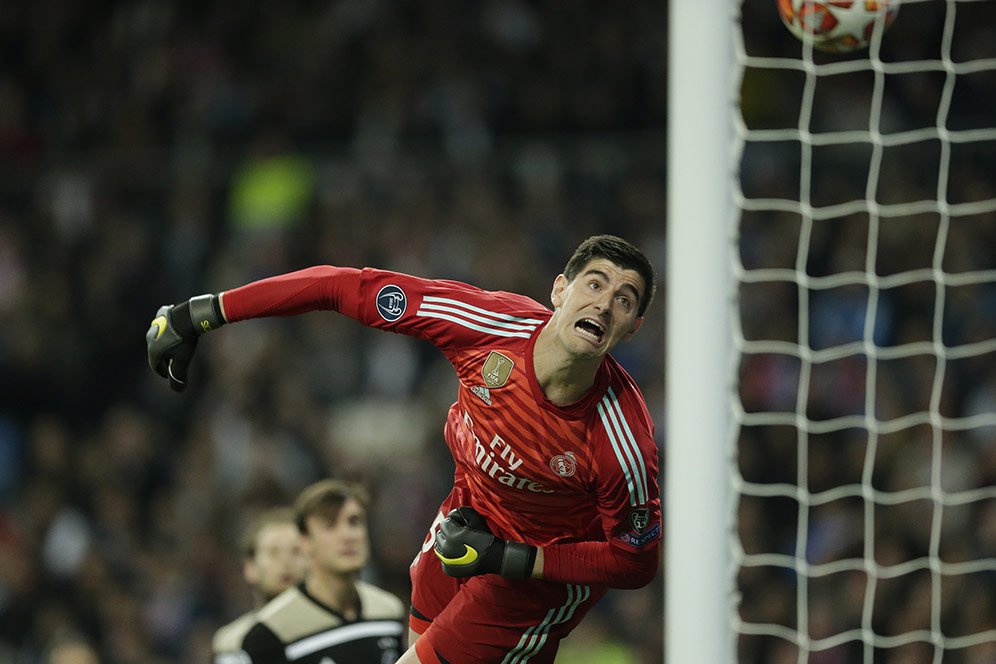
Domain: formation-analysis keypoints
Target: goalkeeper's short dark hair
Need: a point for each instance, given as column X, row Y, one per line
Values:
column 325, row 498
column 622, row 253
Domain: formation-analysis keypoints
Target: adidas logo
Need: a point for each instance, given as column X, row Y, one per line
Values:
column 482, row 392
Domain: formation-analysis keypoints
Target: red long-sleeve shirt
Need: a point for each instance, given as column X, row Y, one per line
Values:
column 578, row 480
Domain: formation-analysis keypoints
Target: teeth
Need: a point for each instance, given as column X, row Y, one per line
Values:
column 595, row 323
column 594, row 336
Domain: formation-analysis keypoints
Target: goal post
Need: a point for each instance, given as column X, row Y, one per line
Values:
column 698, row 508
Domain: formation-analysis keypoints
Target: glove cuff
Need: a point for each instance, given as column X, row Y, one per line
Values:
column 205, row 313
column 517, row 563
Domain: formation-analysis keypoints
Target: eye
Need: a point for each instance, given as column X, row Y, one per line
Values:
column 594, row 285
column 626, row 303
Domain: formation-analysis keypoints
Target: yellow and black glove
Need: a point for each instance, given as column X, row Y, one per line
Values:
column 466, row 547
column 173, row 334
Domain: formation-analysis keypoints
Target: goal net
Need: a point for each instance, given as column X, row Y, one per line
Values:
column 863, row 460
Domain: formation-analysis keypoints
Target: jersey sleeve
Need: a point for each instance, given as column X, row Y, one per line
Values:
column 449, row 314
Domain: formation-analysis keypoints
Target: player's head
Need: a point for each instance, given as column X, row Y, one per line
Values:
column 619, row 252
column 331, row 516
column 600, row 298
column 273, row 556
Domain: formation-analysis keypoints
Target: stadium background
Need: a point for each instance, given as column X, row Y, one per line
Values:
column 153, row 151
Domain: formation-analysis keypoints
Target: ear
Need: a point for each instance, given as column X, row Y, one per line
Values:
column 557, row 294
column 637, row 323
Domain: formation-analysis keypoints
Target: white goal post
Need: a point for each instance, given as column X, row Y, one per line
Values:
column 698, row 512
column 830, row 453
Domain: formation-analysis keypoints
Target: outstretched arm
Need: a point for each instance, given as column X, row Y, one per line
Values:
column 322, row 287
column 173, row 334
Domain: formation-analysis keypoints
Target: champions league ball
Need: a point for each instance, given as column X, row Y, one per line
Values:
column 838, row 26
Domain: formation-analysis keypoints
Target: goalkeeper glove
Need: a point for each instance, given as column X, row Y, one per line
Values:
column 173, row 334
column 466, row 547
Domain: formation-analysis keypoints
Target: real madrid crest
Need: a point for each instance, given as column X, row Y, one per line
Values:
column 496, row 370
column 564, row 464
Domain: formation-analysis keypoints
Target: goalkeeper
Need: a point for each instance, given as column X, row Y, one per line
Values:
column 555, row 497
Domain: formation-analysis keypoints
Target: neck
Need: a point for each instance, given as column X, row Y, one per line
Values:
column 563, row 378
column 337, row 591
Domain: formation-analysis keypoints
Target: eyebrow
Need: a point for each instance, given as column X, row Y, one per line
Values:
column 605, row 277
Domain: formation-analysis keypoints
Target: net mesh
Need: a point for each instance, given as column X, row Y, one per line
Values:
column 866, row 331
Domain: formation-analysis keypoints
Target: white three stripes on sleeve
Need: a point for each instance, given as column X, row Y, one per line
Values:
column 625, row 447
column 475, row 318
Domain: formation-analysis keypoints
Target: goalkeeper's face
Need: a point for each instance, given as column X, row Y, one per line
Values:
column 597, row 309
column 339, row 544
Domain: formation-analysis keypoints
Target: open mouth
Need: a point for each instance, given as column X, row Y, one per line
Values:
column 590, row 329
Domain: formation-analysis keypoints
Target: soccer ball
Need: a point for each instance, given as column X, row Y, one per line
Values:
column 837, row 26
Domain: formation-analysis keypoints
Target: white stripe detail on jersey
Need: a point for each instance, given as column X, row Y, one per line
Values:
column 427, row 307
column 534, row 638
column 623, row 463
column 624, row 450
column 472, row 326
column 461, row 313
column 584, row 592
column 343, row 634
column 493, row 314
column 628, row 435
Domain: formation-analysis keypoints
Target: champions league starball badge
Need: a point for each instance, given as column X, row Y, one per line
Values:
column 391, row 303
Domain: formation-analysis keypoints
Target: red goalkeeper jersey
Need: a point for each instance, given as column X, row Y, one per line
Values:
column 538, row 472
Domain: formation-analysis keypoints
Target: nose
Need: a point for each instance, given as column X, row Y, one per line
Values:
column 603, row 301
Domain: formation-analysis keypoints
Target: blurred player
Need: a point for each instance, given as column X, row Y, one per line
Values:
column 555, row 495
column 332, row 616
column 273, row 561
column 71, row 648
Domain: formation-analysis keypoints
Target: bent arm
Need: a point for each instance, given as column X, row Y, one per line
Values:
column 597, row 563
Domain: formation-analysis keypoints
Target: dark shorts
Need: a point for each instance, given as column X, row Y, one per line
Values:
column 488, row 618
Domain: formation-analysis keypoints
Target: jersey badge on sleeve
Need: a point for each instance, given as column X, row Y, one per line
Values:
column 639, row 519
column 496, row 370
column 391, row 303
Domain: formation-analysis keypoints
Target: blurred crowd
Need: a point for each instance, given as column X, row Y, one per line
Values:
column 152, row 151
